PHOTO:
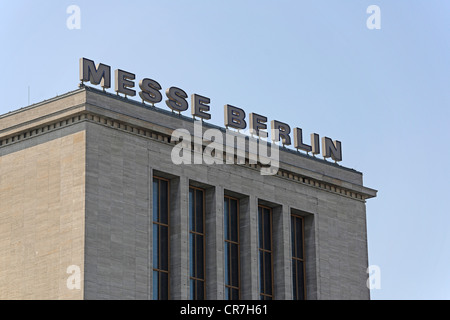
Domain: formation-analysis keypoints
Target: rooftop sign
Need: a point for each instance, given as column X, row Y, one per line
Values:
column 234, row 117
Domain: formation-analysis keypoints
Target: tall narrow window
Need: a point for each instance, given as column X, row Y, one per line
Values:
column 232, row 261
column 298, row 261
column 265, row 253
column 197, row 243
column 160, row 239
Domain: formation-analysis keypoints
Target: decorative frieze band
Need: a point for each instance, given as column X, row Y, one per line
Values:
column 164, row 138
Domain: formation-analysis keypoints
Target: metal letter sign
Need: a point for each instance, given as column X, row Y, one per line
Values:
column 95, row 75
column 234, row 117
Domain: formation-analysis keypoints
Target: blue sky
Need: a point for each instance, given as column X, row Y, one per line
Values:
column 312, row 64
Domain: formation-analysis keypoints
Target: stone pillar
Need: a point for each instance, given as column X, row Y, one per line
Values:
column 249, row 248
column 214, row 244
column 179, row 238
column 282, row 264
column 150, row 233
column 311, row 259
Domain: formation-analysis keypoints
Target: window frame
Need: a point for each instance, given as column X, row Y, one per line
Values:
column 158, row 223
column 261, row 294
column 238, row 243
column 297, row 259
column 196, row 280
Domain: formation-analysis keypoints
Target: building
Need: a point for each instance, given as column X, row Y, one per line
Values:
column 93, row 207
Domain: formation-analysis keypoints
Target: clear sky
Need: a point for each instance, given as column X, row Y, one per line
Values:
column 312, row 64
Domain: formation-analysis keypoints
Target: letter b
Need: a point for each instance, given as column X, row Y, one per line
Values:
column 234, row 117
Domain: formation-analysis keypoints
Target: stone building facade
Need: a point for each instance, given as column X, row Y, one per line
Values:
column 92, row 207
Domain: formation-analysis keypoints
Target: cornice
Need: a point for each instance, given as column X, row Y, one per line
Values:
column 352, row 191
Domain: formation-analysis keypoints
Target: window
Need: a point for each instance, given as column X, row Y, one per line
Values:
column 265, row 253
column 298, row 261
column 197, row 243
column 232, row 252
column 160, row 239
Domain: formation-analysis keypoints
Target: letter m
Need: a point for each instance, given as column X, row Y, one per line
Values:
column 100, row 74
